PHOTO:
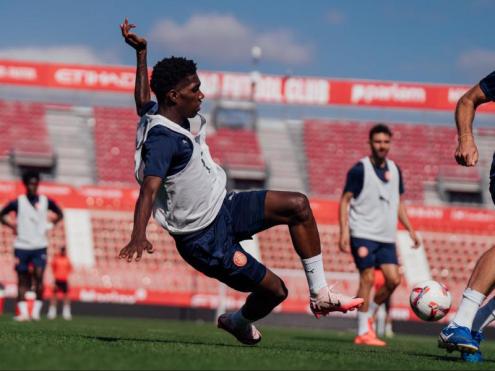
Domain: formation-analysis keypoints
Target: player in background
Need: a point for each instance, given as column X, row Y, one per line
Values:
column 61, row 268
column 465, row 332
column 30, row 228
column 368, row 212
column 186, row 191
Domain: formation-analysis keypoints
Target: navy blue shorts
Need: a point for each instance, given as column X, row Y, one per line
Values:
column 372, row 254
column 25, row 257
column 492, row 179
column 215, row 250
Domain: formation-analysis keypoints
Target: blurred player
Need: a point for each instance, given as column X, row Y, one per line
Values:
column 465, row 332
column 382, row 314
column 368, row 212
column 185, row 190
column 61, row 268
column 30, row 228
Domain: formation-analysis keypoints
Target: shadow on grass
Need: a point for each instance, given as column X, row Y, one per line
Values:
column 447, row 358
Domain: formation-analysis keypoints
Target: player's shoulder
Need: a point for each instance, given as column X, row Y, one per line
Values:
column 487, row 85
column 357, row 168
column 149, row 108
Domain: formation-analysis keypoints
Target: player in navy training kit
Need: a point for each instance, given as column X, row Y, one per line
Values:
column 30, row 245
column 369, row 209
column 185, row 190
column 465, row 332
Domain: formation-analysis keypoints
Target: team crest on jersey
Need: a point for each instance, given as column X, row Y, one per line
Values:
column 239, row 259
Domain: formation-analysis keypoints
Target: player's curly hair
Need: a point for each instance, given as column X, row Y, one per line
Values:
column 30, row 174
column 380, row 128
column 168, row 73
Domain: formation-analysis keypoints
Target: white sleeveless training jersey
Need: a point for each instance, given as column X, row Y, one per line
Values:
column 191, row 199
column 374, row 213
column 32, row 224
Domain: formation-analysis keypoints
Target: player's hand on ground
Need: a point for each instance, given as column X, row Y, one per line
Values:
column 416, row 240
column 466, row 153
column 136, row 248
column 135, row 41
column 345, row 242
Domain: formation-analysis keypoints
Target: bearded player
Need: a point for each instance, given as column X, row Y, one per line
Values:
column 368, row 212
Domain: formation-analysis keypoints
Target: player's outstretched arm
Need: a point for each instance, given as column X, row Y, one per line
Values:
column 142, row 95
column 404, row 219
column 142, row 214
column 466, row 153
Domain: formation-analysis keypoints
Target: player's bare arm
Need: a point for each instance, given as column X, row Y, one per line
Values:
column 5, row 221
column 404, row 219
column 142, row 95
column 466, row 153
column 58, row 218
column 142, row 214
column 344, row 240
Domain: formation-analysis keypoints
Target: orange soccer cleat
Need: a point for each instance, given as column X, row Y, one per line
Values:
column 369, row 339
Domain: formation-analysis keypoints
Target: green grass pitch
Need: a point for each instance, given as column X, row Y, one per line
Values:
column 103, row 343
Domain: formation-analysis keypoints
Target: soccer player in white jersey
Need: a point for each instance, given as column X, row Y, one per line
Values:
column 185, row 190
column 368, row 212
column 465, row 332
column 31, row 226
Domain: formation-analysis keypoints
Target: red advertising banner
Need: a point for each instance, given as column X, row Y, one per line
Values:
column 273, row 89
column 430, row 218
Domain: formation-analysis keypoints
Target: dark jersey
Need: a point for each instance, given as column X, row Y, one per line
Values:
column 487, row 85
column 165, row 152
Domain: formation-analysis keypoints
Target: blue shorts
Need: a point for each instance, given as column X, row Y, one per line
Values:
column 492, row 179
column 372, row 254
column 25, row 257
column 215, row 250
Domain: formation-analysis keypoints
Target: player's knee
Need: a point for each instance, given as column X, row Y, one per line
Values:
column 301, row 207
column 280, row 293
column 367, row 278
column 392, row 282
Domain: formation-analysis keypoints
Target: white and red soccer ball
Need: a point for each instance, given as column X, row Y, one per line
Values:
column 430, row 300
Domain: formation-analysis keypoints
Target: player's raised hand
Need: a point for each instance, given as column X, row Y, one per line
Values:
column 135, row 41
column 345, row 242
column 466, row 153
column 136, row 247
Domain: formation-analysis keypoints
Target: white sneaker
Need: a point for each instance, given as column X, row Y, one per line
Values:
column 67, row 316
column 52, row 313
column 21, row 318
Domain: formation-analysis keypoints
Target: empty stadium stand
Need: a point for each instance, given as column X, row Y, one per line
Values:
column 24, row 135
column 332, row 147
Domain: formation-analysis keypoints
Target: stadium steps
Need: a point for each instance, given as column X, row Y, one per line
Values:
column 279, row 152
column 70, row 130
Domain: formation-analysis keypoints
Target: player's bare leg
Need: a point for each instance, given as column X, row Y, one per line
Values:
column 270, row 292
column 38, row 287
column 366, row 334
column 293, row 209
column 22, row 287
column 52, row 311
column 392, row 280
column 66, row 311
column 480, row 285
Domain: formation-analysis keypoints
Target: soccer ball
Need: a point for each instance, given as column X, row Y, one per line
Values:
column 430, row 300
